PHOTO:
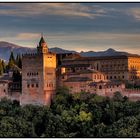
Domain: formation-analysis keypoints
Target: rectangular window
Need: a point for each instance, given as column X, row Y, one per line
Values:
column 37, row 85
column 28, row 85
column 49, row 73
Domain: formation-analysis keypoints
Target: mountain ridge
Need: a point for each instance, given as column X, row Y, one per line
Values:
column 6, row 48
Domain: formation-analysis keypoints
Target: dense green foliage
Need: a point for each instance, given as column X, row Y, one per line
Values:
column 132, row 86
column 78, row 115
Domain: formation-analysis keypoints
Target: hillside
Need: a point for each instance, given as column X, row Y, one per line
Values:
column 6, row 48
column 108, row 52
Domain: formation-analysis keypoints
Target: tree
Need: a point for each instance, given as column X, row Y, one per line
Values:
column 62, row 98
column 99, row 130
column 4, row 66
column 40, row 120
column 124, row 127
column 11, row 62
column 1, row 68
column 19, row 61
column 17, row 76
column 11, row 127
column 83, row 116
column 71, row 116
column 55, row 127
column 117, row 96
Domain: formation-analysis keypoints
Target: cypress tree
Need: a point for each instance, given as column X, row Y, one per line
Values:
column 1, row 68
column 19, row 61
column 4, row 66
column 11, row 61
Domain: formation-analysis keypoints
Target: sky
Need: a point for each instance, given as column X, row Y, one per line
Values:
column 72, row 26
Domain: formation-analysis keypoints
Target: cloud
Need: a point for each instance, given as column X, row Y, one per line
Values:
column 96, row 41
column 135, row 12
column 21, row 36
column 27, row 36
column 59, row 9
column 82, row 41
column 97, row 36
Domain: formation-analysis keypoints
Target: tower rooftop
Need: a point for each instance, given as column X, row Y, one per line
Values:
column 42, row 40
column 42, row 47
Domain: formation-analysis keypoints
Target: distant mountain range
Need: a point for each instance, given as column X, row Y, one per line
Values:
column 108, row 52
column 6, row 48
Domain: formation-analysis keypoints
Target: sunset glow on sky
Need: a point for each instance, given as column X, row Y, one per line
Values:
column 72, row 26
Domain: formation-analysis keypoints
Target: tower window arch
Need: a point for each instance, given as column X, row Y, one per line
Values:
column 100, row 87
column 97, row 66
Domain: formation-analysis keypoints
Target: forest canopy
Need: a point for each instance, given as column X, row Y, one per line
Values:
column 77, row 115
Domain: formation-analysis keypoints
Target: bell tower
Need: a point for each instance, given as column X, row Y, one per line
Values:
column 42, row 46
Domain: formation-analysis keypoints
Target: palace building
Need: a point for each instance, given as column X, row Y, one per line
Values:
column 38, row 76
column 123, row 67
column 88, row 80
column 44, row 71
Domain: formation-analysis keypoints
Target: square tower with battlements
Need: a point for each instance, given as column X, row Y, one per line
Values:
column 38, row 76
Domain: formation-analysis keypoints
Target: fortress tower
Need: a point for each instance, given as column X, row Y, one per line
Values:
column 38, row 76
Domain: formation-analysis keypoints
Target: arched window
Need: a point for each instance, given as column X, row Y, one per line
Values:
column 73, row 70
column 100, row 87
column 97, row 66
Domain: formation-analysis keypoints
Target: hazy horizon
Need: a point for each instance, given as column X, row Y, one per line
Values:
column 34, row 47
column 73, row 26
